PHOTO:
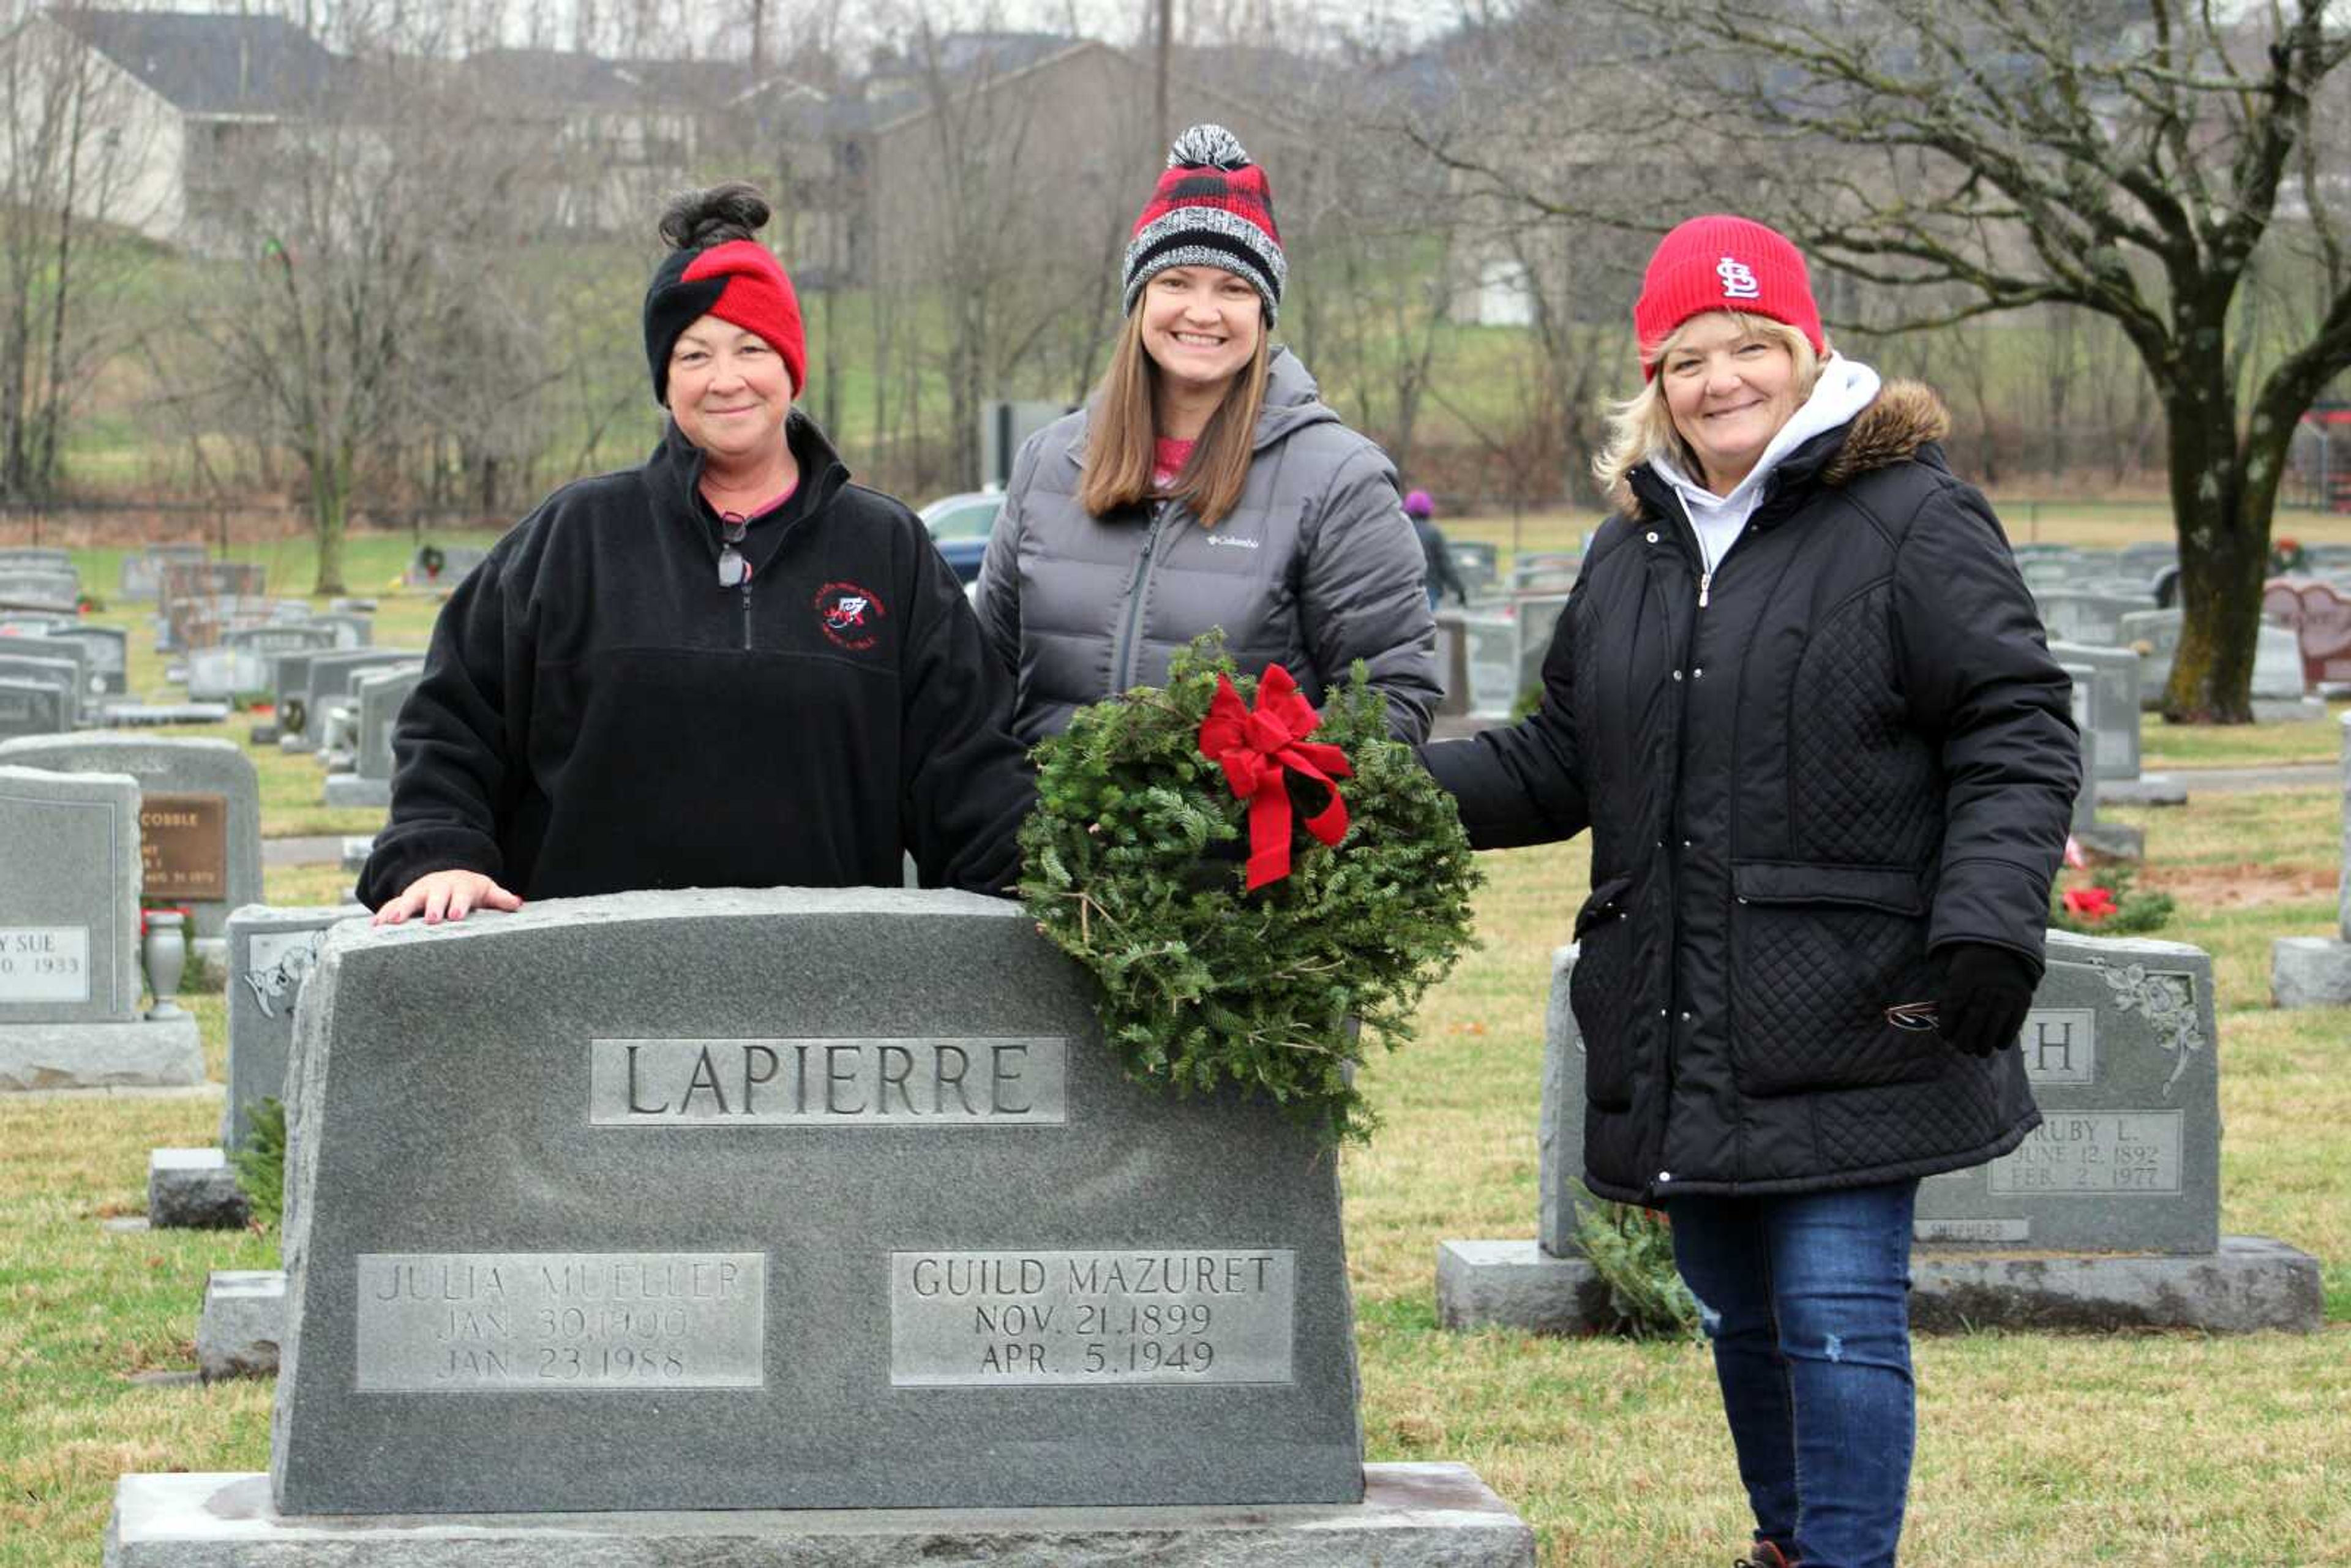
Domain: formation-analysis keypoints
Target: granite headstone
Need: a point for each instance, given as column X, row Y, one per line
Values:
column 271, row 952
column 783, row 1199
column 200, row 817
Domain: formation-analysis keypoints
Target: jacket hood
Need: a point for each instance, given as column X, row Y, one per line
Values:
column 1293, row 400
column 1899, row 423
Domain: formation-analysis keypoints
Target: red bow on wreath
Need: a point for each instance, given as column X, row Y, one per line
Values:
column 1255, row 748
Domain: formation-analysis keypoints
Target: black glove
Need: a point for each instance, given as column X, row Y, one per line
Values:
column 1987, row 991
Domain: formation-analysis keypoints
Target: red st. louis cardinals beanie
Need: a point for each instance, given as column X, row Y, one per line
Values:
column 1723, row 262
column 739, row 281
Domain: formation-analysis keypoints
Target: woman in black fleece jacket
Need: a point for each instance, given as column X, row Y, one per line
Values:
column 729, row 667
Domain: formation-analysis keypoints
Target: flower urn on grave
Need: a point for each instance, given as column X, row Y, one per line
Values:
column 163, row 950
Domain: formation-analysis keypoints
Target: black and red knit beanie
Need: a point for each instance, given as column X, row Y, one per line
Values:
column 739, row 281
column 1723, row 262
column 1211, row 208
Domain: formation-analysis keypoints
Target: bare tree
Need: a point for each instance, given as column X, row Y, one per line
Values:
column 2133, row 158
column 69, row 142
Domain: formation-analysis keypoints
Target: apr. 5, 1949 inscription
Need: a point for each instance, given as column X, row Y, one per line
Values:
column 999, row 1319
column 827, row 1082
column 479, row 1322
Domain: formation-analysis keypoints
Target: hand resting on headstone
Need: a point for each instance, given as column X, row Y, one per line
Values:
column 446, row 894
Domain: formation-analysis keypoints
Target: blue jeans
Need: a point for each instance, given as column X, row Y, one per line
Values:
column 1806, row 1298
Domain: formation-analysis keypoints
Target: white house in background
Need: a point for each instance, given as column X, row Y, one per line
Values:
column 178, row 103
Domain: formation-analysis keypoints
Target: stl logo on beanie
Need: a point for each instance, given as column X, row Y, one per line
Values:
column 1738, row 279
column 849, row 615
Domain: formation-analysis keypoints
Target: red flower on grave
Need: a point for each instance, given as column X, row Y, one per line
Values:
column 2089, row 903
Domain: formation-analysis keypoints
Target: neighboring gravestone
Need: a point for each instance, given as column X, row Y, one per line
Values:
column 32, row 708
column 2116, row 841
column 379, row 695
column 1475, row 561
column 2071, row 616
column 2316, row 971
column 2106, row 1216
column 69, row 960
column 2320, row 616
column 455, row 562
column 2278, row 692
column 194, row 1189
column 270, row 953
column 2113, row 734
column 1538, row 619
column 1490, row 643
column 240, row 663
column 62, row 672
column 351, row 630
column 331, row 675
column 199, row 819
column 105, row 663
column 2154, row 636
column 243, row 1320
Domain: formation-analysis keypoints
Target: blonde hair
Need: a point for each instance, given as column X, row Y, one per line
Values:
column 1641, row 427
column 1123, row 431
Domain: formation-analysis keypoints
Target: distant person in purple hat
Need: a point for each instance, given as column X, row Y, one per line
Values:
column 1442, row 574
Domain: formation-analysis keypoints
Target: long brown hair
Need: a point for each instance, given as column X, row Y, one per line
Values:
column 1122, row 431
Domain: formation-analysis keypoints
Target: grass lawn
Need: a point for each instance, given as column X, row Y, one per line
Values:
column 2038, row 1450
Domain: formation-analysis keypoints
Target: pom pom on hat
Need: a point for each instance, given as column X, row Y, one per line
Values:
column 1723, row 262
column 1212, row 207
column 1419, row 504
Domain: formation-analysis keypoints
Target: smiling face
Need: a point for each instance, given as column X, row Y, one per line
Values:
column 1728, row 391
column 728, row 390
column 1200, row 326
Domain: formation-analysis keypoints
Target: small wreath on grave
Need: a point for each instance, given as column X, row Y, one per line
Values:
column 1256, row 888
column 2107, row 903
column 431, row 558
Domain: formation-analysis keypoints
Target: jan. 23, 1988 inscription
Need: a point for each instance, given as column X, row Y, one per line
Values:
column 461, row 1322
column 997, row 1319
column 827, row 1082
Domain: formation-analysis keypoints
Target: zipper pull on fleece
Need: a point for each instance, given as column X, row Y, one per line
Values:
column 1705, row 582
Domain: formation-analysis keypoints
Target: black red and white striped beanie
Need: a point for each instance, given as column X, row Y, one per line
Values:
column 739, row 281
column 1211, row 208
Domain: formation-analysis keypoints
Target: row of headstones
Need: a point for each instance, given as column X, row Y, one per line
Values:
column 33, row 578
column 340, row 706
column 823, row 1233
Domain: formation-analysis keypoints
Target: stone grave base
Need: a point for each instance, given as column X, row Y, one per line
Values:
column 129, row 715
column 265, row 733
column 2310, row 972
column 295, row 745
column 194, row 1189
column 350, row 790
column 2287, row 710
column 2113, row 841
column 1411, row 1516
column 244, row 1319
column 2147, row 789
column 142, row 1053
column 2252, row 1283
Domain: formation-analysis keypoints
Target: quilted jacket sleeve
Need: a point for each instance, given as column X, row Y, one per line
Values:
column 1362, row 595
column 1523, row 785
column 1979, row 675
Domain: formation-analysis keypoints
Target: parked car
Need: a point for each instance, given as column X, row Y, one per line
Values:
column 959, row 525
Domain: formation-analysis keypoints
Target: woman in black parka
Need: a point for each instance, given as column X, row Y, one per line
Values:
column 1801, row 698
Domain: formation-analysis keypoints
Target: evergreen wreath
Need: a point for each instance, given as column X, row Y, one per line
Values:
column 1135, row 867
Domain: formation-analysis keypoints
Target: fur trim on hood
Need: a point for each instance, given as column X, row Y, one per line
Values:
column 1903, row 417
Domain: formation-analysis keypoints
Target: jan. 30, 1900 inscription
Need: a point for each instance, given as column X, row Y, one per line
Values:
column 993, row 1318
column 830, row 1081
column 478, row 1322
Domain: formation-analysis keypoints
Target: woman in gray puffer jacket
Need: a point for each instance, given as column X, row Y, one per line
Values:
column 1205, row 484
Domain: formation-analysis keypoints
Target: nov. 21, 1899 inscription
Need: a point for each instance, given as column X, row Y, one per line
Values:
column 827, row 1082
column 460, row 1323
column 1201, row 1315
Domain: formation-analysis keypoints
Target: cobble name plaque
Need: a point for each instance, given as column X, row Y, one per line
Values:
column 44, row 963
column 483, row 1322
column 1049, row 1319
column 2118, row 1152
column 184, row 846
column 827, row 1082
